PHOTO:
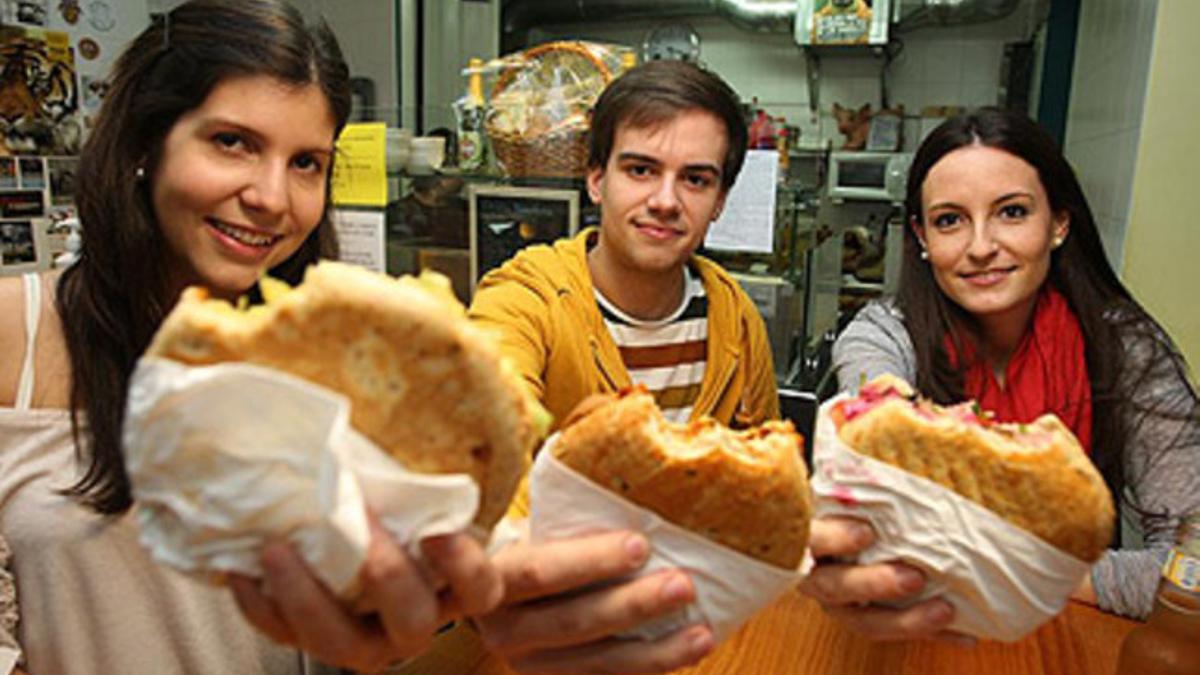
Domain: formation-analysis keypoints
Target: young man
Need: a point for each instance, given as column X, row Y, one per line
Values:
column 630, row 302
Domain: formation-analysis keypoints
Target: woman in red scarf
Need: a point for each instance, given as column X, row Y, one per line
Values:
column 1006, row 296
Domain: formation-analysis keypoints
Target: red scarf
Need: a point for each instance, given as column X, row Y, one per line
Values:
column 1046, row 374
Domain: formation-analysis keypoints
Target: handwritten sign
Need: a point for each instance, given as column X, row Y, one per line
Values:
column 360, row 170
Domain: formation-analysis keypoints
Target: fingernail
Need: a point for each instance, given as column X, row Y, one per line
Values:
column 862, row 535
column 701, row 642
column 636, row 547
column 677, row 589
column 939, row 612
column 910, row 580
column 274, row 556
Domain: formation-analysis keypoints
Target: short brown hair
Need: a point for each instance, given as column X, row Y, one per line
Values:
column 658, row 91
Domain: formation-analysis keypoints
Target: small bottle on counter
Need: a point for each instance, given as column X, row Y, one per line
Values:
column 472, row 143
column 1169, row 642
column 783, row 143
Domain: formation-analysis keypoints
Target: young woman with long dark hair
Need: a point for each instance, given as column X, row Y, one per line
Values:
column 209, row 164
column 1006, row 296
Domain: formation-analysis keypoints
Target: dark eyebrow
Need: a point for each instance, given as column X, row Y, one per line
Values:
column 647, row 159
column 217, row 121
column 1019, row 193
column 942, row 205
column 999, row 200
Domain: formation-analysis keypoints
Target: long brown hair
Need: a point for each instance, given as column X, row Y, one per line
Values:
column 1112, row 322
column 112, row 300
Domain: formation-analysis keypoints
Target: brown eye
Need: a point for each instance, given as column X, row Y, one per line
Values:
column 945, row 220
column 308, row 163
column 227, row 140
column 1014, row 211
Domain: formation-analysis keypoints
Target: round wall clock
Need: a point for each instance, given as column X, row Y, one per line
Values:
column 678, row 41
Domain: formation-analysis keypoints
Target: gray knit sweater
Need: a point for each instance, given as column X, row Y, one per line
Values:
column 1162, row 450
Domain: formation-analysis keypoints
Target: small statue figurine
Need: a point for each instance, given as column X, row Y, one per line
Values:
column 854, row 125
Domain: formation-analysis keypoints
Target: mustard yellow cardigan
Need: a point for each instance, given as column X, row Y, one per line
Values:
column 542, row 307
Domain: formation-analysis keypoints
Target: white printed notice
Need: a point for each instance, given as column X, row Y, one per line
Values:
column 360, row 237
column 747, row 222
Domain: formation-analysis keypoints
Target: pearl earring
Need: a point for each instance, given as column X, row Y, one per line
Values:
column 140, row 173
column 924, row 254
column 1058, row 242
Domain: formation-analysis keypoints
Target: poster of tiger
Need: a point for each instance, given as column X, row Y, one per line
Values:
column 39, row 97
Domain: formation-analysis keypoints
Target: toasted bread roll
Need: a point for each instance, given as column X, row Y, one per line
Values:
column 746, row 490
column 424, row 384
column 1033, row 475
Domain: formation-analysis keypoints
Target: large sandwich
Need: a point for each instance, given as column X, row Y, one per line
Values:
column 1035, row 475
column 424, row 384
column 746, row 490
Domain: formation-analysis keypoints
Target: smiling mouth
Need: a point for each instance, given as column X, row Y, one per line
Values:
column 243, row 235
column 987, row 277
column 658, row 231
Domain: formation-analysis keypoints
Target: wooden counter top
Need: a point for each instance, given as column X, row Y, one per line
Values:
column 794, row 636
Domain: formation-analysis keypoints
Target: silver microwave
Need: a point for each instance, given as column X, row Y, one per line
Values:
column 868, row 176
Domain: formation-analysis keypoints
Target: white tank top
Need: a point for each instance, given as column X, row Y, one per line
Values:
column 91, row 600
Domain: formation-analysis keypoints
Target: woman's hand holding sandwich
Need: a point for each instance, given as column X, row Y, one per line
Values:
column 293, row 607
column 847, row 591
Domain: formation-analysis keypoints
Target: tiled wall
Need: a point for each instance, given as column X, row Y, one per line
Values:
column 1108, row 92
column 957, row 65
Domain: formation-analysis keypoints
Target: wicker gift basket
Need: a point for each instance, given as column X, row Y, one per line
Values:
column 540, row 107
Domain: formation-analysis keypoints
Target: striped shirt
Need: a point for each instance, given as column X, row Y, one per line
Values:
column 668, row 355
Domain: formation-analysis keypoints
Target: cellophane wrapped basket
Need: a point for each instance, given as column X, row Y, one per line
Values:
column 540, row 107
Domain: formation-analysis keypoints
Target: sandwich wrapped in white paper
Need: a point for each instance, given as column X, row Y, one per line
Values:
column 730, row 586
column 224, row 458
column 1003, row 581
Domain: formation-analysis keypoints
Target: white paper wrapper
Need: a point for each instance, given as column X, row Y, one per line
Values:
column 730, row 587
column 224, row 458
column 1003, row 581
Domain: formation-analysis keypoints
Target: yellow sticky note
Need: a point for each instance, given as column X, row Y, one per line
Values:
column 360, row 170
